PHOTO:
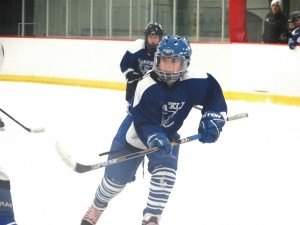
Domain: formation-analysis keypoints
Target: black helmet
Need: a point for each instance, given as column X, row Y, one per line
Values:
column 153, row 28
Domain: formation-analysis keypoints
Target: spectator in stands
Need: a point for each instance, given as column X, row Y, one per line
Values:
column 275, row 24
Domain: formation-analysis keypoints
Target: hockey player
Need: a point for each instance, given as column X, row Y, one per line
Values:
column 1, row 60
column 162, row 101
column 6, row 206
column 295, row 34
column 139, row 58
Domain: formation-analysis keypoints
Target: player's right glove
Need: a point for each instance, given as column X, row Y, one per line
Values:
column 160, row 140
column 292, row 43
column 210, row 127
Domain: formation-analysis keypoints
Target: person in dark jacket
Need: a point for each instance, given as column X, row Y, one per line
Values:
column 275, row 24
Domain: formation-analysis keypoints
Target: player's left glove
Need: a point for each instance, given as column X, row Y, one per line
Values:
column 210, row 127
column 160, row 140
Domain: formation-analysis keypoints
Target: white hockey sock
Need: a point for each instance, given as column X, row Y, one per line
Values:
column 106, row 191
column 162, row 182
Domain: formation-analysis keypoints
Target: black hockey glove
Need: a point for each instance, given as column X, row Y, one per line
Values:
column 132, row 80
column 210, row 127
column 133, row 76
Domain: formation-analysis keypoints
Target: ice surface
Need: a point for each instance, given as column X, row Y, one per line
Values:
column 251, row 176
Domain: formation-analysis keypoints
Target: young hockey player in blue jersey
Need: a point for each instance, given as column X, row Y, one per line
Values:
column 6, row 206
column 295, row 35
column 162, row 101
column 139, row 58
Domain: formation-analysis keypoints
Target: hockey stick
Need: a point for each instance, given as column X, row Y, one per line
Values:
column 229, row 118
column 34, row 130
column 81, row 168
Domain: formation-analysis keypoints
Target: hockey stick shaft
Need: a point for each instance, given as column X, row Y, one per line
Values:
column 237, row 116
column 81, row 168
column 229, row 118
column 36, row 130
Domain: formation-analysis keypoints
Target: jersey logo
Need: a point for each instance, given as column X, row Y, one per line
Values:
column 5, row 204
column 169, row 110
column 145, row 66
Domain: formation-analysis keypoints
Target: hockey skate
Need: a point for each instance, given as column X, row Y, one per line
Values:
column 1, row 125
column 92, row 215
column 150, row 220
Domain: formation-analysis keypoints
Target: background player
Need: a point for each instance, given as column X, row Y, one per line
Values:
column 139, row 58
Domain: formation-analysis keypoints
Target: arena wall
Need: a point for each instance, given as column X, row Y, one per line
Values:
column 252, row 72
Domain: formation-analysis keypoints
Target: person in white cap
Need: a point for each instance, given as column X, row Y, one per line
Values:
column 275, row 24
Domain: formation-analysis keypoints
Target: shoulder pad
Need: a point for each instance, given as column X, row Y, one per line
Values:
column 190, row 75
column 137, row 45
column 142, row 86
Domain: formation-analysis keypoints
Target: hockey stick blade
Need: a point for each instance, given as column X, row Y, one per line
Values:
column 37, row 130
column 34, row 130
column 81, row 168
column 64, row 156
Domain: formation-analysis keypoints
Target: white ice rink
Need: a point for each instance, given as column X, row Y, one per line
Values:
column 251, row 176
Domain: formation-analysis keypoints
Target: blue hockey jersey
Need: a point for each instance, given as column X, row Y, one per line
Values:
column 159, row 108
